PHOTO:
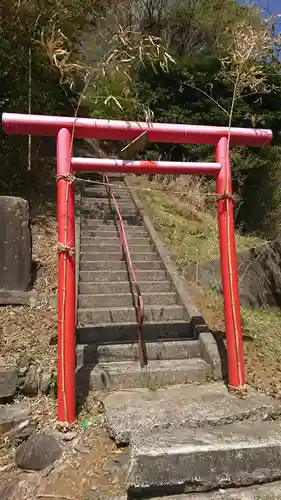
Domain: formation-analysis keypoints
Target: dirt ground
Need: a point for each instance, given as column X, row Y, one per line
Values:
column 91, row 467
column 28, row 329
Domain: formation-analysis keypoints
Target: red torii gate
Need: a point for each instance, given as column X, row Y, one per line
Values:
column 65, row 129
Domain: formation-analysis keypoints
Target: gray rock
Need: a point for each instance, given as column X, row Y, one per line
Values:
column 23, row 364
column 259, row 275
column 8, row 382
column 38, row 452
column 45, row 382
column 15, row 243
column 10, row 415
column 32, row 380
column 22, row 431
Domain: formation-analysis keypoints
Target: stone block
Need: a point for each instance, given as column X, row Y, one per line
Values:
column 131, row 412
column 191, row 460
column 8, row 382
column 32, row 381
column 13, row 414
column 15, row 243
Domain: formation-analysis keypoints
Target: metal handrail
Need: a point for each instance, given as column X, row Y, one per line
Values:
column 124, row 245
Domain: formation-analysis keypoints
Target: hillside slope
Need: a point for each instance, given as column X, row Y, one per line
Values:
column 184, row 212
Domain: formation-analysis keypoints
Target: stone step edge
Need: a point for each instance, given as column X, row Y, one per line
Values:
column 126, row 294
column 246, row 453
column 157, row 373
column 130, row 308
column 129, row 351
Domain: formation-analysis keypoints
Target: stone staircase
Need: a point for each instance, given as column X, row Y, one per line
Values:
column 190, row 441
column 107, row 314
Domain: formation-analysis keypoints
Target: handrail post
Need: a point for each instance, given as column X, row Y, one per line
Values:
column 233, row 328
column 66, row 280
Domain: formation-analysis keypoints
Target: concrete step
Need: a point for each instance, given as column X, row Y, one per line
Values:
column 87, row 301
column 129, row 374
column 270, row 491
column 131, row 412
column 124, row 287
column 105, row 224
column 101, row 315
column 106, row 255
column 119, row 193
column 130, row 219
column 154, row 265
column 104, row 202
column 91, row 354
column 124, row 208
column 93, row 193
column 186, row 460
column 128, row 332
column 114, row 247
column 119, row 275
column 109, row 211
column 108, row 233
column 114, row 240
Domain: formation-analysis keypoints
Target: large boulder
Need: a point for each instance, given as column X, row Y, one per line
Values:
column 15, row 243
column 38, row 452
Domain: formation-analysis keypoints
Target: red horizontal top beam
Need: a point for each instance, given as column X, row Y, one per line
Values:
column 144, row 166
column 14, row 123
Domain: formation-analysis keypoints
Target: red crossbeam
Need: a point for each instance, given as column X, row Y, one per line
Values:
column 15, row 123
column 144, row 166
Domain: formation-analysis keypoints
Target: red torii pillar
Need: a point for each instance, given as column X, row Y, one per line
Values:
column 66, row 128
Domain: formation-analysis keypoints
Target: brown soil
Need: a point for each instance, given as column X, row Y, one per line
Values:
column 92, row 467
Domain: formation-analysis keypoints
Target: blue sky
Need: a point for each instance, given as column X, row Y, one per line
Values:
column 271, row 6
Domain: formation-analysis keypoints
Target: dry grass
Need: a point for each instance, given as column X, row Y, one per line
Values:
column 44, row 242
column 261, row 336
column 27, row 329
column 188, row 225
column 184, row 211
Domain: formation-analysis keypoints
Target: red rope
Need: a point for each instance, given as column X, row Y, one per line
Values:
column 124, row 245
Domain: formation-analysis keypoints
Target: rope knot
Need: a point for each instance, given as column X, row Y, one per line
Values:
column 68, row 177
column 69, row 251
column 227, row 196
column 240, row 392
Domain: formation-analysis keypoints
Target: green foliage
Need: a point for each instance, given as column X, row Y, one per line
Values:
column 130, row 74
column 31, row 26
column 195, row 93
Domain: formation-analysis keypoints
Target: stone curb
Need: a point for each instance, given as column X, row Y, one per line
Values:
column 199, row 326
column 26, row 298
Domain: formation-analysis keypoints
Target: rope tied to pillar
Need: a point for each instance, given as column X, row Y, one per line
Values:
column 227, row 196
column 240, row 392
column 69, row 251
column 68, row 177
